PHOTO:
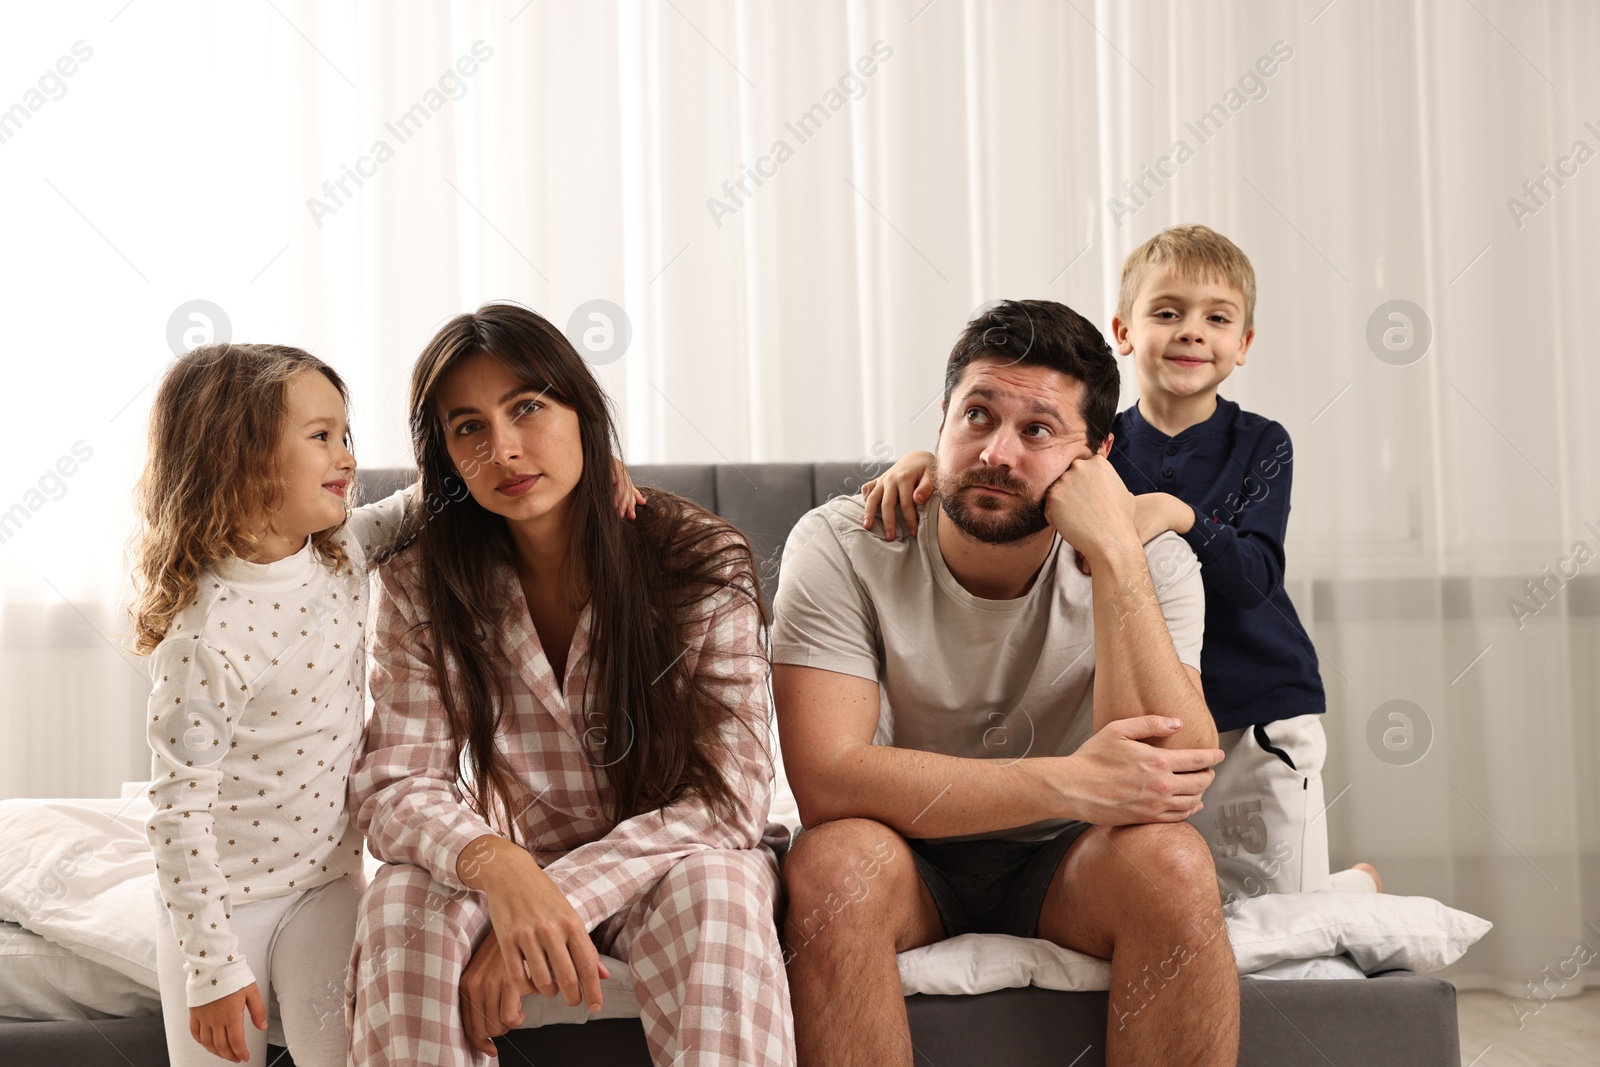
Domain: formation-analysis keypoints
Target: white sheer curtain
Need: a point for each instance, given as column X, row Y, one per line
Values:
column 1361, row 153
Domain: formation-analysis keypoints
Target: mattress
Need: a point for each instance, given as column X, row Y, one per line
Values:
column 43, row 980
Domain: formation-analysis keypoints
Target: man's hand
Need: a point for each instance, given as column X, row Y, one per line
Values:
column 219, row 1025
column 1115, row 779
column 1156, row 513
column 1090, row 507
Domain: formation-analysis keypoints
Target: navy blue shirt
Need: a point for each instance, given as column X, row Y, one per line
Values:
column 1258, row 664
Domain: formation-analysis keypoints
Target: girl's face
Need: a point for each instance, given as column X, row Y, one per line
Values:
column 518, row 449
column 314, row 462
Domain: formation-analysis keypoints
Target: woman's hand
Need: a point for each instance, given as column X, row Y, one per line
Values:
column 625, row 496
column 491, row 1000
column 219, row 1026
column 543, row 945
column 908, row 484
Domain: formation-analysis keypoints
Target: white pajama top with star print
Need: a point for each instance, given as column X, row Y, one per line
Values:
column 256, row 709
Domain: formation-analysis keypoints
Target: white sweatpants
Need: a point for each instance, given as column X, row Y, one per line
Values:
column 1266, row 821
column 298, row 946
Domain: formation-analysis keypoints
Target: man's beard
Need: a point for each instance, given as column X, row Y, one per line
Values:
column 992, row 520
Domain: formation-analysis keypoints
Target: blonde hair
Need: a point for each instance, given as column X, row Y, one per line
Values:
column 218, row 417
column 1192, row 251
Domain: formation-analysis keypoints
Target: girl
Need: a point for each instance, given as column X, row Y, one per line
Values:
column 251, row 603
column 568, row 752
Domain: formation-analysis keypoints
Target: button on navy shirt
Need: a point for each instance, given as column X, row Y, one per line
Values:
column 1258, row 664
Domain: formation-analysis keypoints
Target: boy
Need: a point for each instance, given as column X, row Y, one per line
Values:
column 1219, row 477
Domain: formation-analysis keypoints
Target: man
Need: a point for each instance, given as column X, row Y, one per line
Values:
column 982, row 738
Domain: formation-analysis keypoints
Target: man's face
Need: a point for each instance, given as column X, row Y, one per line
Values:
column 1009, row 431
column 1185, row 334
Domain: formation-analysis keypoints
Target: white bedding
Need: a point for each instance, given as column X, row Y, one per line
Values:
column 79, row 873
column 1288, row 935
column 42, row 980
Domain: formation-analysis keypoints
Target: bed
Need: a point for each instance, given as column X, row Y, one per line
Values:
column 1325, row 981
column 974, row 999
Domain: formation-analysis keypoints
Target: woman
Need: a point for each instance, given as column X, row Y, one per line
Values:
column 569, row 748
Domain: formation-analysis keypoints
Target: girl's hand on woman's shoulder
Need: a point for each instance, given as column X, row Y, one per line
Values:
column 542, row 942
column 625, row 496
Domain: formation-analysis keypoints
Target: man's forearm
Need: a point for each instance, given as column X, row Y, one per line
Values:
column 929, row 794
column 1137, row 671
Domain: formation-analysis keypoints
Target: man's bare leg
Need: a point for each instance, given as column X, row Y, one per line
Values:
column 1145, row 897
column 854, row 901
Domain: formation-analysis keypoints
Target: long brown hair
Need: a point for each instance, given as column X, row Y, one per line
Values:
column 219, row 415
column 655, row 731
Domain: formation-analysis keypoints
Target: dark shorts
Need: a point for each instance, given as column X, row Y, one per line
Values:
column 991, row 887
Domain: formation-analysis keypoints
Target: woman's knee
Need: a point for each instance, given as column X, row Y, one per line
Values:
column 730, row 897
column 405, row 906
column 745, row 878
column 395, row 887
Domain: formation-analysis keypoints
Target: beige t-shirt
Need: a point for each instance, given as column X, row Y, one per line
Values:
column 960, row 675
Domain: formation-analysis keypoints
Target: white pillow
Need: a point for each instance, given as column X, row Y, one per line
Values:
column 1378, row 931
column 982, row 963
column 42, row 981
column 617, row 1001
column 1323, row 968
column 80, row 873
column 1345, row 935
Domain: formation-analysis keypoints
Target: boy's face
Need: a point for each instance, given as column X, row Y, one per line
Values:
column 1185, row 335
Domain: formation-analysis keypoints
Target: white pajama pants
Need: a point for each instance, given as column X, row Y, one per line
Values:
column 298, row 946
column 1265, row 819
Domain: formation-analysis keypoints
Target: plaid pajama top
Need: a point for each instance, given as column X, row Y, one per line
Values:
column 404, row 792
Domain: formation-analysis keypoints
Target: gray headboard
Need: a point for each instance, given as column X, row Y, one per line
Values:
column 762, row 500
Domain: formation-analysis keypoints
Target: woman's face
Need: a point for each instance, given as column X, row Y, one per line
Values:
column 518, row 449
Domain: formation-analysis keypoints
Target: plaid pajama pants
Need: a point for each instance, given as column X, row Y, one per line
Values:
column 700, row 943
